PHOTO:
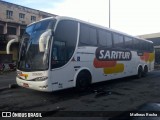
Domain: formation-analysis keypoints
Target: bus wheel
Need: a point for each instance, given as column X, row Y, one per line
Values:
column 140, row 72
column 145, row 71
column 83, row 81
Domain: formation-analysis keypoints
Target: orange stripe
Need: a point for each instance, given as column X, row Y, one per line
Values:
column 24, row 75
column 103, row 64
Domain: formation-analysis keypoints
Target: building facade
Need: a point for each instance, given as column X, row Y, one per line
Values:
column 155, row 38
column 13, row 21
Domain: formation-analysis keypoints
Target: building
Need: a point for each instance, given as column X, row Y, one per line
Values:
column 13, row 21
column 155, row 38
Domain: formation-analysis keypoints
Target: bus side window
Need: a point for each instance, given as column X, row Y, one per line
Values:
column 128, row 42
column 118, row 40
column 141, row 45
column 64, row 42
column 136, row 45
column 88, row 35
column 105, row 38
column 58, row 53
column 151, row 48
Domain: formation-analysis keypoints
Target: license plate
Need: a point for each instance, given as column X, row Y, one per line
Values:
column 25, row 85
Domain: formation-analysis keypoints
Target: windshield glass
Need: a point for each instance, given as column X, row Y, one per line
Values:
column 34, row 45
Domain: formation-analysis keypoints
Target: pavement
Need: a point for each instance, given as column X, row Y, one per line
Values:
column 121, row 95
column 7, row 80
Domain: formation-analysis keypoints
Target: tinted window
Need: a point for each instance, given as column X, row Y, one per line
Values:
column 34, row 52
column 142, row 45
column 136, row 44
column 151, row 48
column 88, row 35
column 64, row 43
column 118, row 40
column 147, row 46
column 105, row 38
column 46, row 24
column 128, row 42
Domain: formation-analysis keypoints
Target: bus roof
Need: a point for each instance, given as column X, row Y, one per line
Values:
column 92, row 24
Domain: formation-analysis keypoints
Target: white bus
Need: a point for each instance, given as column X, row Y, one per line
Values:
column 61, row 52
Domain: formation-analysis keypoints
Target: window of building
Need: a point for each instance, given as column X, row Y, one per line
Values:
column 2, row 46
column 2, row 39
column 9, row 14
column 21, row 16
column 1, row 29
column 88, row 35
column 11, row 30
column 6, row 58
column 118, row 40
column 33, row 18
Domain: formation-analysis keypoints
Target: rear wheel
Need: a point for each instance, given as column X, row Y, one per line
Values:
column 145, row 71
column 140, row 72
column 83, row 81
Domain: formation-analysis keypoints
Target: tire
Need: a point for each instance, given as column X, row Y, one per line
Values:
column 140, row 73
column 83, row 81
column 145, row 71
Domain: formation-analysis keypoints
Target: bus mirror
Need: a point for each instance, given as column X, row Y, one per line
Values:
column 43, row 40
column 41, row 47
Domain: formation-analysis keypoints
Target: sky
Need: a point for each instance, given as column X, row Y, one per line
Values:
column 134, row 17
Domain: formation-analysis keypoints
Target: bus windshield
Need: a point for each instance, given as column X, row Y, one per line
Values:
column 34, row 46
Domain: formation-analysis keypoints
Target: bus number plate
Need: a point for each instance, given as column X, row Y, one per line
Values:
column 25, row 85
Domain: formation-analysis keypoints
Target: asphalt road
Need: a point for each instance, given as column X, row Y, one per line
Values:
column 124, row 94
column 7, row 78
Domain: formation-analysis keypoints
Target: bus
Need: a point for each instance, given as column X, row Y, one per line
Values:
column 61, row 52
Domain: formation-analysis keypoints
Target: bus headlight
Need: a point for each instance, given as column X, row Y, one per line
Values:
column 41, row 78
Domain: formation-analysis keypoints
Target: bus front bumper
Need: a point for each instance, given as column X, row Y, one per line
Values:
column 35, row 85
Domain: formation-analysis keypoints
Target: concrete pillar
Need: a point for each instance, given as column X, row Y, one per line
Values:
column 5, row 29
column 18, row 30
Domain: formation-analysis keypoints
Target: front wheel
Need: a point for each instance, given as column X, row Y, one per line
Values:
column 83, row 82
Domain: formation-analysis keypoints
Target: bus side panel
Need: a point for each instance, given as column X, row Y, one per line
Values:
column 62, row 78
